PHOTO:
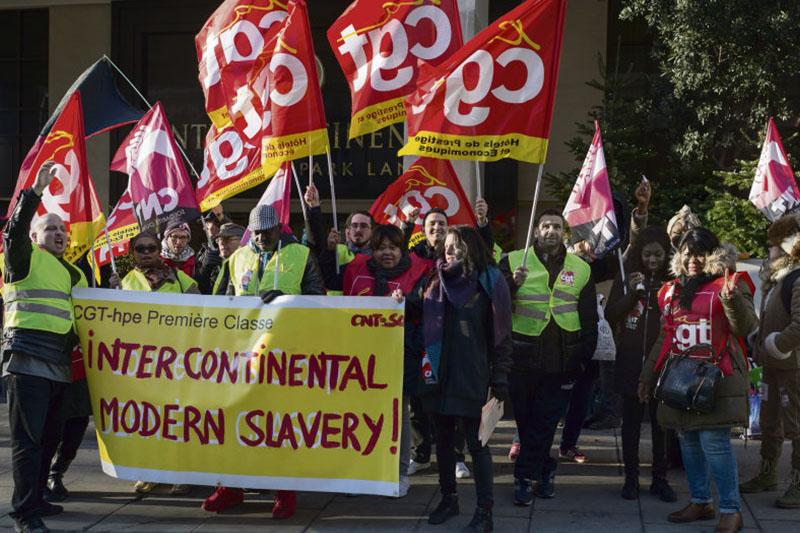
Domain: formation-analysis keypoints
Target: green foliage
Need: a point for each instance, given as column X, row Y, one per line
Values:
column 693, row 122
column 124, row 264
column 730, row 214
column 730, row 63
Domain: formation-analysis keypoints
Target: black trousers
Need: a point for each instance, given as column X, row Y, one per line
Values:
column 539, row 401
column 632, row 414
column 578, row 406
column 446, row 455
column 422, row 434
column 71, row 438
column 35, row 420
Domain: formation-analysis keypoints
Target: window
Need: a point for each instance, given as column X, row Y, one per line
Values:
column 24, row 38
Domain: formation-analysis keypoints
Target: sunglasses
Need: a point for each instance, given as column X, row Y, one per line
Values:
column 145, row 249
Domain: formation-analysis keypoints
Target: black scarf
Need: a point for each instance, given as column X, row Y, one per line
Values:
column 690, row 286
column 383, row 275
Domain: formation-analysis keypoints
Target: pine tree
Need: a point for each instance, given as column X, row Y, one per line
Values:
column 730, row 214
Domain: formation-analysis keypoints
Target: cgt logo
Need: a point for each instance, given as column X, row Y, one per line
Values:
column 461, row 104
column 381, row 54
column 377, row 320
column 692, row 334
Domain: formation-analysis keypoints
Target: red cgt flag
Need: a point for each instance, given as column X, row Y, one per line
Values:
column 294, row 123
column 71, row 195
column 427, row 183
column 121, row 227
column 228, row 47
column 494, row 97
column 774, row 191
column 590, row 207
column 380, row 47
column 158, row 183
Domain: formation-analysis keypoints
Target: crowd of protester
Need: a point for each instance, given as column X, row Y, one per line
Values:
column 521, row 327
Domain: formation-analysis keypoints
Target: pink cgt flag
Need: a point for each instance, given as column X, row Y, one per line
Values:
column 278, row 195
column 774, row 191
column 590, row 208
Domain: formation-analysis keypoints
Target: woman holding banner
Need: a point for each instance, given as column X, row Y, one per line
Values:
column 390, row 270
column 150, row 273
column 467, row 332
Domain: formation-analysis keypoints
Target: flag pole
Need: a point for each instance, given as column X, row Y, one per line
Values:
column 300, row 194
column 310, row 169
column 333, row 196
column 180, row 148
column 478, row 191
column 110, row 251
column 333, row 191
column 533, row 213
column 277, row 267
column 622, row 272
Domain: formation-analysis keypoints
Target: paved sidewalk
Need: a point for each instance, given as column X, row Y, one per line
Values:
column 587, row 499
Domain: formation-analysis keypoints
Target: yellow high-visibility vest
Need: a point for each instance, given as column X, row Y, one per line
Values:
column 535, row 303
column 135, row 281
column 42, row 300
column 243, row 270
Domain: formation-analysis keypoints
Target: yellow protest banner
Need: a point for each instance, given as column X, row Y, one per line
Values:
column 300, row 394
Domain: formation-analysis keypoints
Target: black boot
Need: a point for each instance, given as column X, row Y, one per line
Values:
column 447, row 507
column 55, row 491
column 630, row 491
column 661, row 488
column 481, row 522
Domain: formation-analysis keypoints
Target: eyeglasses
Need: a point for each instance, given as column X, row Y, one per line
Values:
column 179, row 238
column 362, row 225
column 145, row 249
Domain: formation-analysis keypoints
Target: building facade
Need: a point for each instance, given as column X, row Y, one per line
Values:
column 46, row 44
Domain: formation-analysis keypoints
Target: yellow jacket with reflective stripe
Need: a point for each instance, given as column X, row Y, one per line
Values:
column 343, row 256
column 535, row 303
column 42, row 300
column 135, row 281
column 243, row 270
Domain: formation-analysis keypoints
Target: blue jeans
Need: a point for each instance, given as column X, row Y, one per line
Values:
column 706, row 452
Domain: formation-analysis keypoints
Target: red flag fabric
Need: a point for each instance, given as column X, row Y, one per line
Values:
column 494, row 97
column 774, row 191
column 228, row 47
column 294, row 123
column 232, row 164
column 121, row 226
column 590, row 208
column 380, row 47
column 427, row 183
column 158, row 183
column 71, row 195
column 278, row 194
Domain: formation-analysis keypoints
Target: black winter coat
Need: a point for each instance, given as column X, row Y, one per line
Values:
column 636, row 323
column 471, row 362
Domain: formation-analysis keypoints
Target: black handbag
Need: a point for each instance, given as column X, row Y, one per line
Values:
column 687, row 383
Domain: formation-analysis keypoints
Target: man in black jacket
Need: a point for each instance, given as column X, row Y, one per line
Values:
column 38, row 337
column 554, row 334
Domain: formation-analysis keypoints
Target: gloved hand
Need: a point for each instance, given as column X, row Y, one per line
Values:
column 500, row 392
column 268, row 296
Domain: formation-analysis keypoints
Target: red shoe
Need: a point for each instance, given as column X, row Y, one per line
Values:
column 513, row 453
column 223, row 498
column 285, row 504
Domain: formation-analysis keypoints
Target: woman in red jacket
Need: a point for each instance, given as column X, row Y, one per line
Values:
column 391, row 271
